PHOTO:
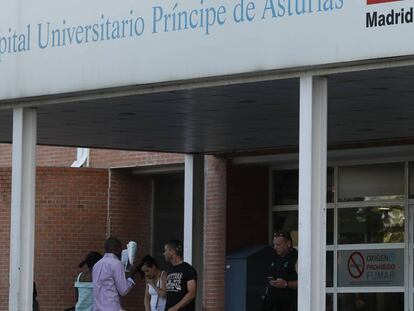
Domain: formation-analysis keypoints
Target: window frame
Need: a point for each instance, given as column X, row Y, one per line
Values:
column 408, row 288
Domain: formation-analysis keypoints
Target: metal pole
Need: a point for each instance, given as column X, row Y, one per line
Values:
column 22, row 228
column 194, row 217
column 188, row 207
column 312, row 193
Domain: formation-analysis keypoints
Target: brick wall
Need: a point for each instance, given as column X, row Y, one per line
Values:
column 46, row 156
column 99, row 158
column 71, row 220
column 5, row 155
column 5, row 193
column 214, row 233
column 236, row 216
column 247, row 206
column 130, row 220
column 117, row 158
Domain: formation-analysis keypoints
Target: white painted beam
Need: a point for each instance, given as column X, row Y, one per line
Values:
column 194, row 217
column 188, row 207
column 312, row 193
column 22, row 228
column 193, row 207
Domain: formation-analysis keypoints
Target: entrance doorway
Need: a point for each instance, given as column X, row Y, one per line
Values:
column 370, row 232
column 168, row 212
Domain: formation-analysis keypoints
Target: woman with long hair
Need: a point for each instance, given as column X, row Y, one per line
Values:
column 154, row 299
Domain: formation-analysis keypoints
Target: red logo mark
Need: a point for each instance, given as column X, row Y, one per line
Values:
column 356, row 265
column 380, row 1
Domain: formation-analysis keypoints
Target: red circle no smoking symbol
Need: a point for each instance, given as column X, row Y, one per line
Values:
column 356, row 265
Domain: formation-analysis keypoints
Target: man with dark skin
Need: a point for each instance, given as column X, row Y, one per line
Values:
column 181, row 285
column 109, row 278
column 284, row 284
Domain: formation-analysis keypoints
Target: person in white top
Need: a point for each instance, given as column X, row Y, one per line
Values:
column 154, row 299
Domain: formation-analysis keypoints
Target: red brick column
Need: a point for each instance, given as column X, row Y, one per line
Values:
column 214, row 235
column 5, row 199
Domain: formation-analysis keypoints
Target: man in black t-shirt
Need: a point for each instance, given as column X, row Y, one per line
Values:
column 181, row 285
column 283, row 289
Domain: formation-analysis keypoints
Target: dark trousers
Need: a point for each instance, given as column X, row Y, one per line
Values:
column 286, row 300
column 285, row 306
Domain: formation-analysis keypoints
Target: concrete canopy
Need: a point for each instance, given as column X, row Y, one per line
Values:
column 364, row 106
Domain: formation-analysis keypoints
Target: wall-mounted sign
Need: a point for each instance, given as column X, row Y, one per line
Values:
column 371, row 268
column 51, row 47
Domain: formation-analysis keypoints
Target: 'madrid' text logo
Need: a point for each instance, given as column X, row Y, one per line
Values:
column 392, row 17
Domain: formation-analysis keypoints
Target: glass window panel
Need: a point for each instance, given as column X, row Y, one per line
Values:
column 287, row 221
column 371, row 268
column 286, row 185
column 329, row 226
column 371, row 302
column 382, row 224
column 371, row 182
column 329, row 269
column 329, row 302
column 330, row 185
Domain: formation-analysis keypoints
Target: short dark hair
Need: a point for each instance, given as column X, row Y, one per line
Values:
column 283, row 234
column 112, row 244
column 90, row 260
column 177, row 246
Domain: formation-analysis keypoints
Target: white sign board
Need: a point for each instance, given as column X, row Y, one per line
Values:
column 51, row 47
column 383, row 267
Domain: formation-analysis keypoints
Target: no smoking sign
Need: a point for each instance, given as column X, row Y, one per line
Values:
column 356, row 265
